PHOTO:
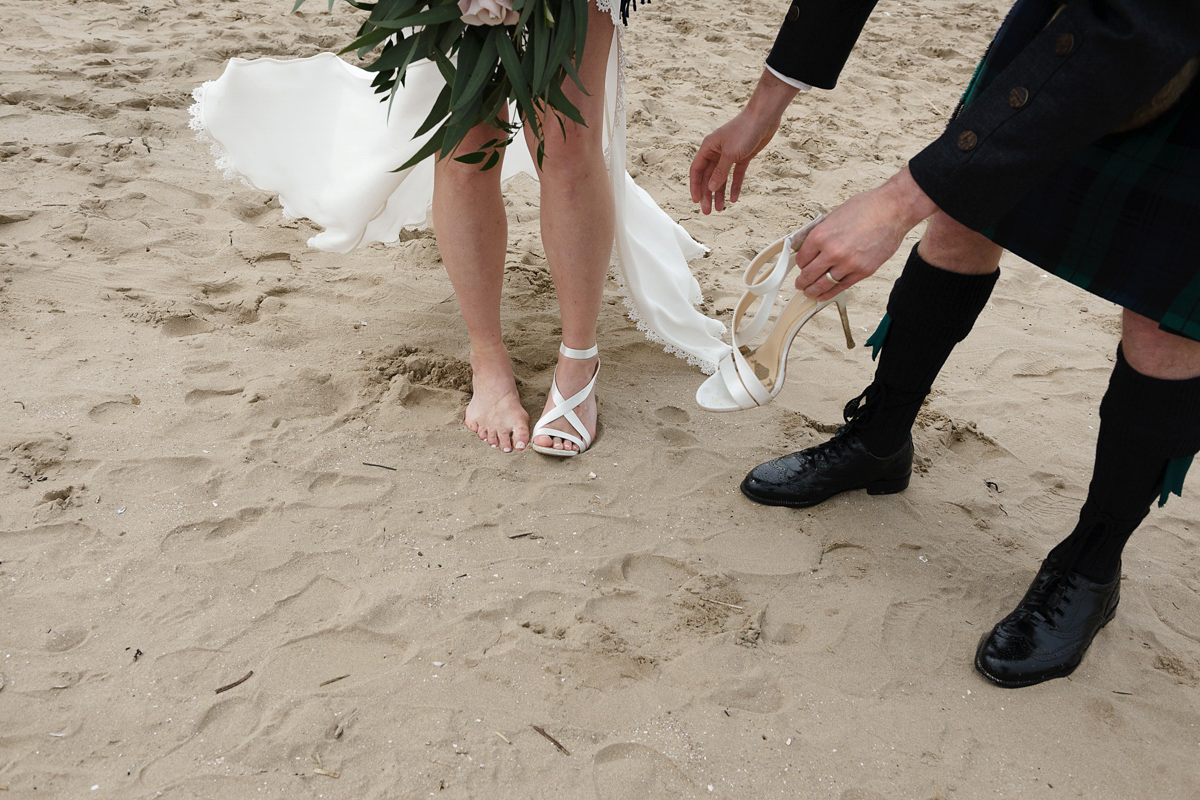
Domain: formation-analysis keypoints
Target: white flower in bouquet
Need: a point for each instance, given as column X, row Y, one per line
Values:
column 488, row 12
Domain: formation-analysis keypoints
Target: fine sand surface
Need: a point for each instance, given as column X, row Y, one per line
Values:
column 189, row 394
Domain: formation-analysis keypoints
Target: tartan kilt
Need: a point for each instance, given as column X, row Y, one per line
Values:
column 1121, row 218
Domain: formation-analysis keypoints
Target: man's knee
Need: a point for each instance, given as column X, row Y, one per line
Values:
column 954, row 247
column 1156, row 353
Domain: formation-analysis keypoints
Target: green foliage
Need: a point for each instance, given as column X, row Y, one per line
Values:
column 485, row 67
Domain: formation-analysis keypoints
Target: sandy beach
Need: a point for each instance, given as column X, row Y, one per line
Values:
column 224, row 454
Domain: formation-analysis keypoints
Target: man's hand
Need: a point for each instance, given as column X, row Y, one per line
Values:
column 859, row 235
column 735, row 143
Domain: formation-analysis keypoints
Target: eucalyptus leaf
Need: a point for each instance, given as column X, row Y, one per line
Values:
column 512, row 65
column 481, row 75
column 441, row 107
column 433, row 146
column 485, row 68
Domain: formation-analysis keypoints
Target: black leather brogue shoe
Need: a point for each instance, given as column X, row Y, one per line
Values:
column 817, row 473
column 1047, row 634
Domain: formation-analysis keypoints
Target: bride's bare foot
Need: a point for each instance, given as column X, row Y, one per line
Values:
column 572, row 375
column 495, row 413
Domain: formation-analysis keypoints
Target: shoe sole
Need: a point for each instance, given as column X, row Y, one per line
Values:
column 1060, row 674
column 876, row 488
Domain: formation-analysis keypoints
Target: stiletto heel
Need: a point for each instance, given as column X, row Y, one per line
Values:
column 564, row 408
column 751, row 377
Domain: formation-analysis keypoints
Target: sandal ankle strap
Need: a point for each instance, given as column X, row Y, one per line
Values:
column 579, row 355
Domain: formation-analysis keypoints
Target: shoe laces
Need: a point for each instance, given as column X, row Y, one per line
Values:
column 856, row 413
column 859, row 410
column 1051, row 607
column 831, row 451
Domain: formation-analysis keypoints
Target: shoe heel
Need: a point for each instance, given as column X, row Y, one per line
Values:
column 888, row 487
column 840, row 300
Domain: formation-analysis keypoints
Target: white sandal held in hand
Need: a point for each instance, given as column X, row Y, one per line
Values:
column 564, row 408
column 751, row 377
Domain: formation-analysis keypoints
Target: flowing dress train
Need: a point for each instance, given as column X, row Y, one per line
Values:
column 313, row 132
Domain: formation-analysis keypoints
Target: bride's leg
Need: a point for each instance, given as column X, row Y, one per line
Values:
column 578, row 220
column 472, row 235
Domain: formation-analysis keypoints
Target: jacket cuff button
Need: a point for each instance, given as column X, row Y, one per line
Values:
column 1064, row 44
column 967, row 141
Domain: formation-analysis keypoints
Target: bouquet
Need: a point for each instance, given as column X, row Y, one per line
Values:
column 490, row 53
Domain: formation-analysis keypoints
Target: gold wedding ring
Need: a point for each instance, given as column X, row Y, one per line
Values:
column 832, row 279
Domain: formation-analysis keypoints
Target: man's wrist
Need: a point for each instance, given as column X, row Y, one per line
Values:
column 911, row 201
column 771, row 97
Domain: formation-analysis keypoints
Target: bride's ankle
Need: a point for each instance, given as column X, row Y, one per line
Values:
column 575, row 369
column 489, row 355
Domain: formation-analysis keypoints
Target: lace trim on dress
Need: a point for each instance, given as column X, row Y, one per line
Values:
column 220, row 156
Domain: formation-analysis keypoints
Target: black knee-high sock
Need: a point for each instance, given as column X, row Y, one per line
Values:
column 929, row 311
column 1145, row 425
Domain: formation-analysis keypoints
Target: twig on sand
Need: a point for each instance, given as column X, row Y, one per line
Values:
column 553, row 741
column 719, row 603
column 502, row 736
column 1127, row 694
column 320, row 769
column 238, row 682
column 932, row 105
column 334, row 680
column 381, row 466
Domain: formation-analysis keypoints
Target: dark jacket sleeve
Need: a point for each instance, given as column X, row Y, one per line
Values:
column 816, row 39
column 1083, row 75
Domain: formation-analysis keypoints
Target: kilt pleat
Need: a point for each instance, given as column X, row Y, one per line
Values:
column 1121, row 218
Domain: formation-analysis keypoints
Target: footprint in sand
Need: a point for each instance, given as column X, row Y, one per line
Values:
column 630, row 771
column 204, row 397
column 1050, row 511
column 34, row 457
column 655, row 573
column 670, row 419
column 68, row 637
column 918, row 633
column 663, row 604
column 186, row 542
column 181, row 325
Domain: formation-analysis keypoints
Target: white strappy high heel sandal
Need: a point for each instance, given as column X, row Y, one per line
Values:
column 564, row 408
column 751, row 377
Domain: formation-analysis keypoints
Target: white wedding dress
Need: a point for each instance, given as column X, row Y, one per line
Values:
column 313, row 131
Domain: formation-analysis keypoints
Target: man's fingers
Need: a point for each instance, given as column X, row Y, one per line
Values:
column 739, row 173
column 698, row 176
column 820, row 279
column 832, row 291
column 809, row 250
column 706, row 195
column 720, row 174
